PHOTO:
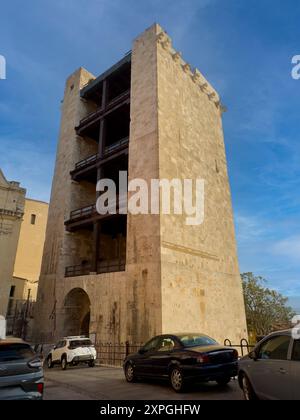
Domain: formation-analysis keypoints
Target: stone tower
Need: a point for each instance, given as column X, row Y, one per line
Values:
column 129, row 277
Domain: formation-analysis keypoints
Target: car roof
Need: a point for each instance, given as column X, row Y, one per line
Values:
column 283, row 332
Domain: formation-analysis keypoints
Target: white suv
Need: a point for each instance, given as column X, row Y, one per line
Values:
column 72, row 350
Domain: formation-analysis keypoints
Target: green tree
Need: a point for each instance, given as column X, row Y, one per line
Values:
column 266, row 309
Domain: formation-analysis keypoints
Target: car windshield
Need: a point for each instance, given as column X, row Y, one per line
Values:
column 195, row 340
column 74, row 344
column 15, row 351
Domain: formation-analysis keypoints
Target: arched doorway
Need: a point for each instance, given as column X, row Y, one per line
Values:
column 77, row 313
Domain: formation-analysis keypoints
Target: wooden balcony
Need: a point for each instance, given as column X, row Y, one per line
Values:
column 81, row 218
column 112, row 106
column 84, row 167
column 84, row 217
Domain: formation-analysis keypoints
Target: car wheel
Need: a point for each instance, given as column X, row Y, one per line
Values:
column 64, row 363
column 91, row 363
column 223, row 381
column 49, row 362
column 177, row 380
column 249, row 394
column 129, row 373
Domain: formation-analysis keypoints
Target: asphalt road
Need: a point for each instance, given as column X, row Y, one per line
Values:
column 108, row 383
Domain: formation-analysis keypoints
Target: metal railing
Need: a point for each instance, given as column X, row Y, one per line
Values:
column 103, row 267
column 110, row 267
column 101, row 110
column 114, row 354
column 243, row 348
column 115, row 146
column 77, row 270
column 19, row 316
column 83, row 212
column 87, row 161
column 91, row 210
column 118, row 98
column 107, row 152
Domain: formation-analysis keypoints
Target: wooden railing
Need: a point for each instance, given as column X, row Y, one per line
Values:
column 91, row 210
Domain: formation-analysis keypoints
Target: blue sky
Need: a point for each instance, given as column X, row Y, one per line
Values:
column 245, row 51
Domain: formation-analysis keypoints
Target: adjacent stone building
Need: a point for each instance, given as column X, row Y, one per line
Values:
column 128, row 277
column 12, row 201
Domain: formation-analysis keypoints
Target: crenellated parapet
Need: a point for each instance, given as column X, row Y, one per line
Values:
column 165, row 41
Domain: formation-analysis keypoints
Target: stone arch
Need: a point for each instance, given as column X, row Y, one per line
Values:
column 77, row 306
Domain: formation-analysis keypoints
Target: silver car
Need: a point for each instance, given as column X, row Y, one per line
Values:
column 272, row 370
column 21, row 372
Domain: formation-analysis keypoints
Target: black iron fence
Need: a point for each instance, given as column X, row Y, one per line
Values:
column 19, row 317
column 114, row 354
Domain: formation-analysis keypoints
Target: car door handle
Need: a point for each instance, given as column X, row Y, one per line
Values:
column 283, row 371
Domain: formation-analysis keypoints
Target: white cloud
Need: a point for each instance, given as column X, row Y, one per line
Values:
column 249, row 227
column 289, row 248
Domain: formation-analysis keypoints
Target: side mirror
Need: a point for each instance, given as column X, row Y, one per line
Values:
column 253, row 355
column 142, row 350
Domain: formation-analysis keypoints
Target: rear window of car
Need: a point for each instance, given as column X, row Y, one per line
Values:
column 15, row 351
column 195, row 340
column 74, row 344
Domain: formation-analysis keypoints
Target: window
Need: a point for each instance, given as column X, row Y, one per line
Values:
column 74, row 344
column 33, row 219
column 195, row 340
column 152, row 344
column 15, row 351
column 12, row 291
column 166, row 344
column 296, row 351
column 276, row 348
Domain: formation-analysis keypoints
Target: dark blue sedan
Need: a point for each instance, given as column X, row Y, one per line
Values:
column 182, row 358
